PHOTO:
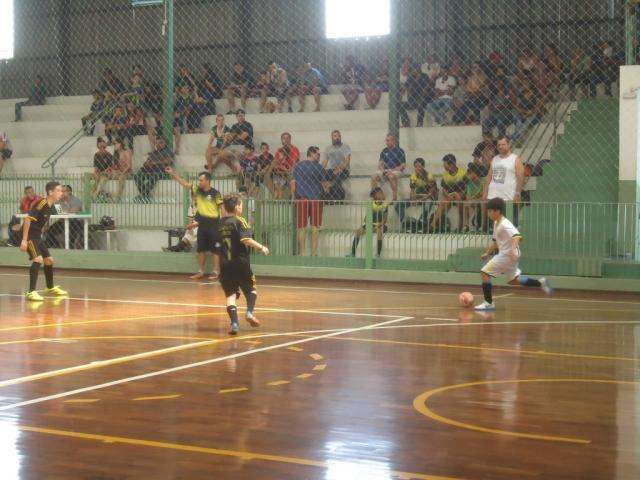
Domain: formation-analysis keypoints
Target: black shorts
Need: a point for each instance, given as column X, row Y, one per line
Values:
column 237, row 275
column 37, row 248
column 208, row 237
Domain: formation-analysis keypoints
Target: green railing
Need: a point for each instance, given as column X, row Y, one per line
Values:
column 52, row 160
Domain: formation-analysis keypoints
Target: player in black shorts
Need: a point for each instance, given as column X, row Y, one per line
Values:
column 235, row 267
column 35, row 223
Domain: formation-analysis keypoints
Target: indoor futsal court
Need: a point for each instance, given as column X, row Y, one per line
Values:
column 134, row 376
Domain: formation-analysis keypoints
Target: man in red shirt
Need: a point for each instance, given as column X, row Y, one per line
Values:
column 29, row 199
column 285, row 159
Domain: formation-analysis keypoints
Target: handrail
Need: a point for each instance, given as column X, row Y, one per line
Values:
column 52, row 160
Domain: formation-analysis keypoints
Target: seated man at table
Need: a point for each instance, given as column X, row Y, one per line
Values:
column 69, row 204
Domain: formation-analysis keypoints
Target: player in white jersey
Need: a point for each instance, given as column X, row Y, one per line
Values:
column 506, row 174
column 506, row 245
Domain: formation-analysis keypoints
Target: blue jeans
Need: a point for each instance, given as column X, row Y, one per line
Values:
column 439, row 109
column 500, row 119
column 523, row 124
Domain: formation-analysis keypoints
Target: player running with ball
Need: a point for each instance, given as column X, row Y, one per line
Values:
column 506, row 244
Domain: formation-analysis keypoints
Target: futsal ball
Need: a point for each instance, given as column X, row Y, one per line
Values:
column 465, row 299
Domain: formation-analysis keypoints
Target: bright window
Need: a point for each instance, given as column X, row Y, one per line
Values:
column 357, row 18
column 6, row 29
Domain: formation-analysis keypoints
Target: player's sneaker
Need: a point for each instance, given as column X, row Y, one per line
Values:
column 252, row 320
column 34, row 296
column 214, row 276
column 197, row 276
column 546, row 286
column 234, row 328
column 57, row 291
column 485, row 306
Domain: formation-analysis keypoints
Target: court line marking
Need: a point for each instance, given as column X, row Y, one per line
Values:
column 82, row 400
column 504, row 295
column 159, row 397
column 233, row 390
column 107, row 439
column 420, row 404
column 201, row 305
column 490, row 349
column 198, row 364
column 303, row 287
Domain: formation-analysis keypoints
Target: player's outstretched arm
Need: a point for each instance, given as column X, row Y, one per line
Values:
column 255, row 245
column 177, row 177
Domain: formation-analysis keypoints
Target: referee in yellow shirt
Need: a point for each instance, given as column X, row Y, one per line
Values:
column 208, row 205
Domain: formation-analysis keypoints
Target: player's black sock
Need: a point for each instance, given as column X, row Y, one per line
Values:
column 33, row 276
column 354, row 245
column 48, row 275
column 486, row 289
column 251, row 301
column 232, row 310
column 529, row 282
column 379, row 247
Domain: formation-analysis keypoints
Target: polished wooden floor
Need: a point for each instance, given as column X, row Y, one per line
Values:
column 134, row 377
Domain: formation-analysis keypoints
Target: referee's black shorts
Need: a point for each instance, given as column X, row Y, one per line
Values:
column 237, row 275
column 208, row 236
column 37, row 248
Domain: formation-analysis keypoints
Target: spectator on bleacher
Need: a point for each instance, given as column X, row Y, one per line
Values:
column 354, row 78
column 500, row 109
column 337, row 161
column 506, row 174
column 391, row 165
column 241, row 82
column 37, row 96
column 474, row 194
column 241, row 134
column 431, row 67
column 265, row 165
column 219, row 139
column 103, row 162
column 279, row 86
column 153, row 99
column 377, row 83
column 477, row 88
column 553, row 63
column 494, row 68
column 459, row 99
column 312, row 82
column 454, row 186
column 135, row 93
column 117, row 125
column 423, row 193
column 484, row 153
column 108, row 107
column 136, row 125
column 249, row 170
column 285, row 159
column 111, row 83
column 380, row 209
column 527, row 102
column 185, row 78
column 307, row 188
column 29, row 199
column 211, row 82
column 153, row 170
column 580, row 71
column 96, row 107
column 186, row 108
column 604, row 68
column 443, row 101
column 526, row 61
column 419, row 92
column 122, row 165
column 456, row 70
column 6, row 150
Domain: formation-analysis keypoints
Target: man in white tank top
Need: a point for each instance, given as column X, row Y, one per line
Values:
column 506, row 174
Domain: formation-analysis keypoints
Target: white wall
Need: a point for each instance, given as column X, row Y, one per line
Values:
column 629, row 130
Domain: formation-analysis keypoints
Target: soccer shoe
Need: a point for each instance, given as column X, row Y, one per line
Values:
column 546, row 286
column 234, row 329
column 197, row 276
column 214, row 276
column 253, row 321
column 57, row 291
column 484, row 306
column 34, row 296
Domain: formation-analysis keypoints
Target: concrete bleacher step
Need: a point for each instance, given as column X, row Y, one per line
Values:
column 59, row 130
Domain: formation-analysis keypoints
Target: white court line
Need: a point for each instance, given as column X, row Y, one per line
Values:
column 504, row 295
column 204, row 305
column 357, row 290
column 198, row 364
